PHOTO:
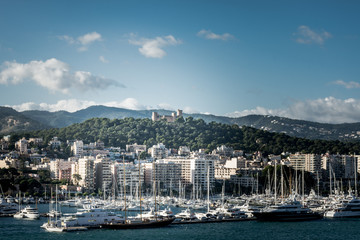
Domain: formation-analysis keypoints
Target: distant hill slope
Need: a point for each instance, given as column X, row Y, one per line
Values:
column 13, row 121
column 297, row 128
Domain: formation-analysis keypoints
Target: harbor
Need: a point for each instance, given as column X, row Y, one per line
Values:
column 11, row 228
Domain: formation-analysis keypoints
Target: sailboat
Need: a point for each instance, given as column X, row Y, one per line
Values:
column 135, row 223
column 54, row 225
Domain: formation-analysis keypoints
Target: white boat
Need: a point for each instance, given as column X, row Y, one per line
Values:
column 90, row 218
column 28, row 212
column 344, row 209
column 6, row 208
column 186, row 214
column 165, row 213
column 290, row 210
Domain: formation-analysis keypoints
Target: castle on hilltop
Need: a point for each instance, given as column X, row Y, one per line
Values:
column 169, row 118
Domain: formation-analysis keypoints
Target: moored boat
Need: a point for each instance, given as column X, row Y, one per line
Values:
column 344, row 209
column 138, row 223
column 289, row 211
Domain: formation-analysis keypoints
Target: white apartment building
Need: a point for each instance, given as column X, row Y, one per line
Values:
column 184, row 150
column 167, row 173
column 158, row 151
column 225, row 171
column 194, row 169
column 78, row 148
column 308, row 162
column 132, row 176
column 221, row 172
column 21, row 145
column 55, row 142
column 58, row 165
column 135, row 148
column 103, row 176
column 36, row 141
column 86, row 172
column 224, row 150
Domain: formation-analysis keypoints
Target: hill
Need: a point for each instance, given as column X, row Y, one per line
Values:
column 291, row 127
column 194, row 133
column 13, row 121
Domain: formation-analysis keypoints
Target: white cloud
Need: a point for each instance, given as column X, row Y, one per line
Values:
column 191, row 110
column 165, row 106
column 73, row 105
column 348, row 85
column 153, row 48
column 53, row 75
column 70, row 105
column 307, row 36
column 68, row 39
column 326, row 110
column 103, row 59
column 83, row 41
column 213, row 36
column 128, row 103
column 89, row 38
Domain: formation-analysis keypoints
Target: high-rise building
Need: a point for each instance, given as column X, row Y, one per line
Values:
column 194, row 169
column 307, row 162
column 103, row 176
column 78, row 148
column 86, row 172
column 128, row 175
column 167, row 173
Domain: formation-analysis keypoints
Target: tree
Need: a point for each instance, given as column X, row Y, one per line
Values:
column 76, row 178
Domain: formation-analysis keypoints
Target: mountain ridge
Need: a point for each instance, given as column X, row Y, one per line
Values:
column 292, row 127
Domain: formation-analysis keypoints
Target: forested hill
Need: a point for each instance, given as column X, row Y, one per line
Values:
column 194, row 133
column 35, row 120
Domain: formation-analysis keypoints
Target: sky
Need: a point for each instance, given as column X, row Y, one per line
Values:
column 296, row 59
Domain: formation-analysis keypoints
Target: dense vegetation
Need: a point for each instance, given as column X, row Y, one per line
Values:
column 193, row 133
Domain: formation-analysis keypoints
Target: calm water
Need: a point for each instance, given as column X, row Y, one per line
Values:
column 11, row 229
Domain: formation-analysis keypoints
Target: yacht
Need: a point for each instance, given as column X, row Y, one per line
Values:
column 7, row 209
column 186, row 215
column 89, row 218
column 136, row 223
column 288, row 211
column 28, row 212
column 344, row 209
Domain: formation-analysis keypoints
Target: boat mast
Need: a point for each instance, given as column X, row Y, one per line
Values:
column 257, row 183
column 223, row 194
column 56, row 203
column 208, row 187
column 303, row 186
column 275, row 183
column 140, row 189
column 296, row 178
column 154, row 180
column 269, row 182
column 318, row 183
column 124, row 188
column 355, row 173
column 282, row 184
column 330, row 179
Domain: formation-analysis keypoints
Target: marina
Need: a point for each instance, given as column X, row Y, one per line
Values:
column 11, row 228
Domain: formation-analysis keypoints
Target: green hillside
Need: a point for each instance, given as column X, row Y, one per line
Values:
column 195, row 133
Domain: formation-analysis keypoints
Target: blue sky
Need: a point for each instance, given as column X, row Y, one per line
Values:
column 297, row 59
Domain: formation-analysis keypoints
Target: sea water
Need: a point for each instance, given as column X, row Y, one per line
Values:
column 13, row 229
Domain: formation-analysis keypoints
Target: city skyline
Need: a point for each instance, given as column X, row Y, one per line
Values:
column 293, row 59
